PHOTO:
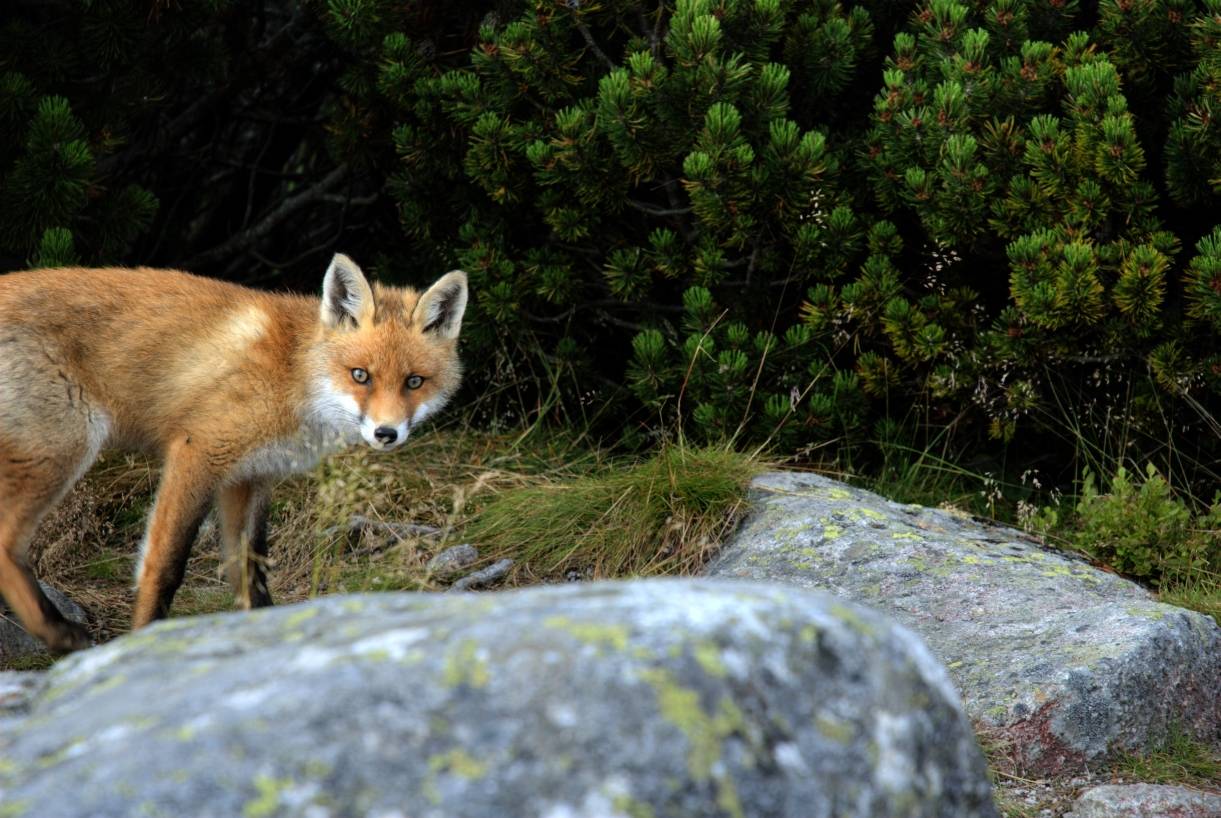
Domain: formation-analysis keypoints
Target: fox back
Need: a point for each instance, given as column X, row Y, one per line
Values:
column 231, row 387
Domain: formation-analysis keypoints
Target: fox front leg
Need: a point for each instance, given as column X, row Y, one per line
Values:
column 187, row 484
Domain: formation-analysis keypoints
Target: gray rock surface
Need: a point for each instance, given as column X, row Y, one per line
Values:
column 1060, row 661
column 16, row 642
column 650, row 698
column 1145, row 801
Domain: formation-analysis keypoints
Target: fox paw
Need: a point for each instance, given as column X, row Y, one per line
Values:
column 65, row 637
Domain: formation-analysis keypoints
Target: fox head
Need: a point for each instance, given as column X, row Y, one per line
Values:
column 385, row 357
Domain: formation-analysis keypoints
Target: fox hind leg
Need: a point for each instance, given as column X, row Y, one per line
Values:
column 48, row 438
column 243, row 511
column 20, row 512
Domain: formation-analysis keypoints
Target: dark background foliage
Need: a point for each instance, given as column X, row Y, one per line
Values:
column 986, row 229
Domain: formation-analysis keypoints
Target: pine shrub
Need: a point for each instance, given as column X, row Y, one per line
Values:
column 810, row 223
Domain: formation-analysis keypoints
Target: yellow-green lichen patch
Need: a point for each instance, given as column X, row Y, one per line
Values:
column 464, row 666
column 839, row 494
column 315, row 770
column 268, row 799
column 298, row 617
column 632, row 808
column 835, row 730
column 832, row 532
column 788, row 534
column 852, row 619
column 705, row 734
column 709, row 657
column 808, row 634
column 1073, row 572
column 591, row 633
column 905, row 535
column 458, row 762
column 14, row 809
column 1147, row 613
column 65, row 752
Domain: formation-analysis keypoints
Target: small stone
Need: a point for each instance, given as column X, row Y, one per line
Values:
column 452, row 560
column 486, row 576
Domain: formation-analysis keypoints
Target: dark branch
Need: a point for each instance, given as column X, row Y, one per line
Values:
column 271, row 220
column 653, row 210
column 589, row 41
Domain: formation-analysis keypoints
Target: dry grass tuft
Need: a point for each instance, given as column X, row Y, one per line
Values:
column 665, row 515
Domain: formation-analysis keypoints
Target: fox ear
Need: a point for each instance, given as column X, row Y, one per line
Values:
column 440, row 308
column 346, row 296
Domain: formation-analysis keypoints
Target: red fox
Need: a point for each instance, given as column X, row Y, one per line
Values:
column 231, row 387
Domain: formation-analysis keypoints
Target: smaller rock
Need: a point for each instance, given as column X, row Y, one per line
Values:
column 1145, row 801
column 16, row 642
column 486, row 576
column 17, row 690
column 452, row 560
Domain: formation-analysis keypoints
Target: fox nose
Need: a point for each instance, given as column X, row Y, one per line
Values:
column 385, row 434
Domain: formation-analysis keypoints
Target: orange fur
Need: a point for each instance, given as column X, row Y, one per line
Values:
column 231, row 387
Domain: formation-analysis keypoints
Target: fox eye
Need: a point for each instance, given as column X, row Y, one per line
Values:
column 359, row 375
column 414, row 382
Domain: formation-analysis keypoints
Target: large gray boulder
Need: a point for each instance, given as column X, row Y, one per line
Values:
column 653, row 698
column 1060, row 662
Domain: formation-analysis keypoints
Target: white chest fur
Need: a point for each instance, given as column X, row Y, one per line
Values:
column 291, row 455
column 330, row 424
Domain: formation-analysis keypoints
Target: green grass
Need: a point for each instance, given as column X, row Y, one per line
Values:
column 109, row 565
column 1202, row 593
column 28, row 661
column 1179, row 760
column 664, row 515
column 926, row 478
column 193, row 600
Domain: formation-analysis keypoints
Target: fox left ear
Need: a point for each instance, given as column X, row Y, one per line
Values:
column 441, row 307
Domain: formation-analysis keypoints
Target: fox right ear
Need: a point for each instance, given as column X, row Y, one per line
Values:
column 347, row 298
